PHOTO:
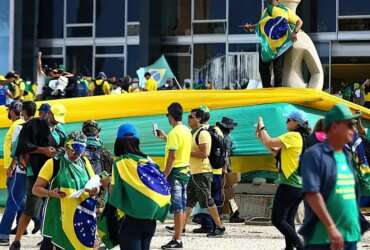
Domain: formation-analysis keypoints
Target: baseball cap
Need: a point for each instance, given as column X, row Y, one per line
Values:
column 58, row 111
column 102, row 75
column 127, row 130
column 340, row 112
column 15, row 106
column 45, row 107
column 298, row 116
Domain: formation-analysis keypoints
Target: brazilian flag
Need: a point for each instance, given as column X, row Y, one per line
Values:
column 140, row 190
column 274, row 33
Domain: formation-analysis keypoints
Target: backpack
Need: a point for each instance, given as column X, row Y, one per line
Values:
column 100, row 159
column 217, row 157
column 98, row 90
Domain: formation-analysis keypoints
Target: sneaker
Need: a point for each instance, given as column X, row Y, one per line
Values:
column 4, row 242
column 173, row 244
column 202, row 230
column 16, row 245
column 171, row 229
column 218, row 232
column 236, row 219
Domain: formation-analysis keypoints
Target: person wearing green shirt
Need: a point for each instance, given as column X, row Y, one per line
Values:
column 288, row 147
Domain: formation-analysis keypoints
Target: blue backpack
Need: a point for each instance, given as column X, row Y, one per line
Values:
column 81, row 88
column 2, row 95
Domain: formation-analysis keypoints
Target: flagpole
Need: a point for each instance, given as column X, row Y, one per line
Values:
column 177, row 82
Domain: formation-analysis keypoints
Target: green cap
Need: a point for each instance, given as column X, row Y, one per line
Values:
column 339, row 112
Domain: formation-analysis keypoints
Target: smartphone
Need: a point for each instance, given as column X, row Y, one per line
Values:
column 155, row 129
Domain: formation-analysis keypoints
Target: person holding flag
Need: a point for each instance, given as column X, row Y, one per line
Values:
column 276, row 30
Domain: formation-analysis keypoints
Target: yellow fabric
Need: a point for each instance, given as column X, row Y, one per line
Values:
column 289, row 15
column 198, row 165
column 290, row 152
column 46, row 172
column 106, row 86
column 18, row 86
column 367, row 97
column 7, row 148
column 151, row 84
column 179, row 139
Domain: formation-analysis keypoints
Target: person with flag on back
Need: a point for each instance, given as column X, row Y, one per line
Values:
column 69, row 222
column 276, row 30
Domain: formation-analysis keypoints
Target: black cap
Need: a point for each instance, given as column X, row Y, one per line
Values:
column 227, row 123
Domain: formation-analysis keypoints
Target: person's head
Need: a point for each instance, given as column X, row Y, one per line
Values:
column 28, row 110
column 44, row 110
column 147, row 75
column 75, row 145
column 56, row 114
column 91, row 128
column 174, row 113
column 319, row 126
column 127, row 140
column 207, row 114
column 195, row 118
column 11, row 76
column 14, row 110
column 101, row 76
column 295, row 120
column 226, row 125
column 340, row 124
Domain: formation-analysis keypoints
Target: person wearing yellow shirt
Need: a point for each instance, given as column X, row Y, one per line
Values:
column 150, row 83
column 199, row 187
column 366, row 90
column 177, row 160
column 100, row 86
column 16, row 182
column 289, row 147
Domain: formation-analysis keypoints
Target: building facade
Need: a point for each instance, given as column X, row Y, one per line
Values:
column 202, row 39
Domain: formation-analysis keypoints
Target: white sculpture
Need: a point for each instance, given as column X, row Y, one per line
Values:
column 303, row 51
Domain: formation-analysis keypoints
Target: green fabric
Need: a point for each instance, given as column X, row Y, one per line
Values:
column 293, row 180
column 342, row 206
column 178, row 174
column 339, row 112
column 94, row 141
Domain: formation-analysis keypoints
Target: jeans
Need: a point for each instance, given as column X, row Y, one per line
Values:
column 265, row 72
column 286, row 202
column 15, row 203
column 178, row 196
column 347, row 246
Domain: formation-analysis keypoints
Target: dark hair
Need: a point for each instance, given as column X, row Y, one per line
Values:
column 206, row 117
column 176, row 111
column 29, row 107
column 305, row 132
column 127, row 145
column 147, row 74
column 199, row 113
column 319, row 127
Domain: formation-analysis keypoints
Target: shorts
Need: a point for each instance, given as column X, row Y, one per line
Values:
column 178, row 196
column 33, row 203
column 199, row 190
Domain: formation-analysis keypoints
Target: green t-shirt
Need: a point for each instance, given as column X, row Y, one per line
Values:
column 341, row 205
column 294, row 180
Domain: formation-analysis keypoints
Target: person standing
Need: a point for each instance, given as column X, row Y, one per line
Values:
column 150, row 83
column 329, row 187
column 289, row 147
column 177, row 158
column 280, row 19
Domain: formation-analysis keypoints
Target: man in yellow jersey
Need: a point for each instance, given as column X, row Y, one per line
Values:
column 100, row 86
column 366, row 89
column 177, row 158
column 150, row 83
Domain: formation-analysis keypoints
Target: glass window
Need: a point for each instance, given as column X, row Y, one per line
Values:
column 133, row 60
column 209, row 64
column 50, row 23
column 243, row 47
column 109, row 49
column 110, row 18
column 52, row 51
column 4, row 36
column 209, row 9
column 242, row 12
column 323, row 49
column 180, row 66
column 209, row 28
column 79, row 11
column 176, row 17
column 318, row 15
column 79, row 31
column 175, row 49
column 354, row 7
column 133, row 13
column 79, row 60
column 133, row 29
column 111, row 66
column 354, row 24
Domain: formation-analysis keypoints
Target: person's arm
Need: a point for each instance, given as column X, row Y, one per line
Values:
column 265, row 137
column 317, row 204
column 39, row 64
column 202, row 152
column 39, row 189
column 170, row 161
column 298, row 26
column 250, row 27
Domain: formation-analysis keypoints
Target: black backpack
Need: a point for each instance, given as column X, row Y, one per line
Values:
column 218, row 154
column 100, row 159
column 98, row 90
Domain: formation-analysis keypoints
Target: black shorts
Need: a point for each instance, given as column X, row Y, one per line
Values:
column 33, row 203
column 199, row 190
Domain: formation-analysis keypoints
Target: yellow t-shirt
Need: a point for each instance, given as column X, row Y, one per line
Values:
column 46, row 171
column 106, row 86
column 290, row 152
column 151, row 85
column 198, row 165
column 7, row 148
column 179, row 140
column 289, row 15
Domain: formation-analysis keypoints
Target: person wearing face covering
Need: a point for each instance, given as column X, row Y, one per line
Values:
column 69, row 220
